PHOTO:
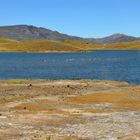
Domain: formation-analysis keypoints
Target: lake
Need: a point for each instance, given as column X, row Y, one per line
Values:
column 102, row 65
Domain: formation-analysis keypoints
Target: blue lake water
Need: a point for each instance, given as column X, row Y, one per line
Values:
column 104, row 65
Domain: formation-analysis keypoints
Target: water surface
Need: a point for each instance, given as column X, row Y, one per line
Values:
column 103, row 65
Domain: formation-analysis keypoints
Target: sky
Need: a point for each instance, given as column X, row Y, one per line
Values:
column 85, row 18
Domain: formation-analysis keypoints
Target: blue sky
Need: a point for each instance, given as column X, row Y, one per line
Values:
column 86, row 18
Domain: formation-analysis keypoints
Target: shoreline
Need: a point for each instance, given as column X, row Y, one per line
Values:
column 28, row 80
column 68, row 52
column 53, row 52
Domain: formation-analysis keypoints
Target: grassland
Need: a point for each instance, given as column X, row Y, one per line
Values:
column 69, row 110
column 46, row 46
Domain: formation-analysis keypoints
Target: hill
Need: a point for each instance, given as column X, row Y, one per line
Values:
column 7, row 45
column 29, row 33
column 115, row 38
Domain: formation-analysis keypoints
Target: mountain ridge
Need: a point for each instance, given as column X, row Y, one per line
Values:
column 30, row 32
column 118, row 37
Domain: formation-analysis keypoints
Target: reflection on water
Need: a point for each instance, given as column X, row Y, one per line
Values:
column 107, row 65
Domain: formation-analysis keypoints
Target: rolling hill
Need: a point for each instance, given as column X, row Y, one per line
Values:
column 115, row 38
column 29, row 33
column 24, row 38
column 46, row 46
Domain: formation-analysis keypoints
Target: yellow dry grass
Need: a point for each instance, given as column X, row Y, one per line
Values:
column 132, row 136
column 7, row 45
column 36, row 107
column 121, row 99
column 15, row 98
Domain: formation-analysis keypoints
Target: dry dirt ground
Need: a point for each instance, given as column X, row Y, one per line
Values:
column 69, row 110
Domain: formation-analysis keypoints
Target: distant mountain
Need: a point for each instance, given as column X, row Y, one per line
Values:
column 115, row 38
column 29, row 33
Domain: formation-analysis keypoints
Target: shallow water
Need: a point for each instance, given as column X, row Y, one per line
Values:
column 103, row 65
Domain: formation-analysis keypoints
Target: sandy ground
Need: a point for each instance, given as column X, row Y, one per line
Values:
column 69, row 110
